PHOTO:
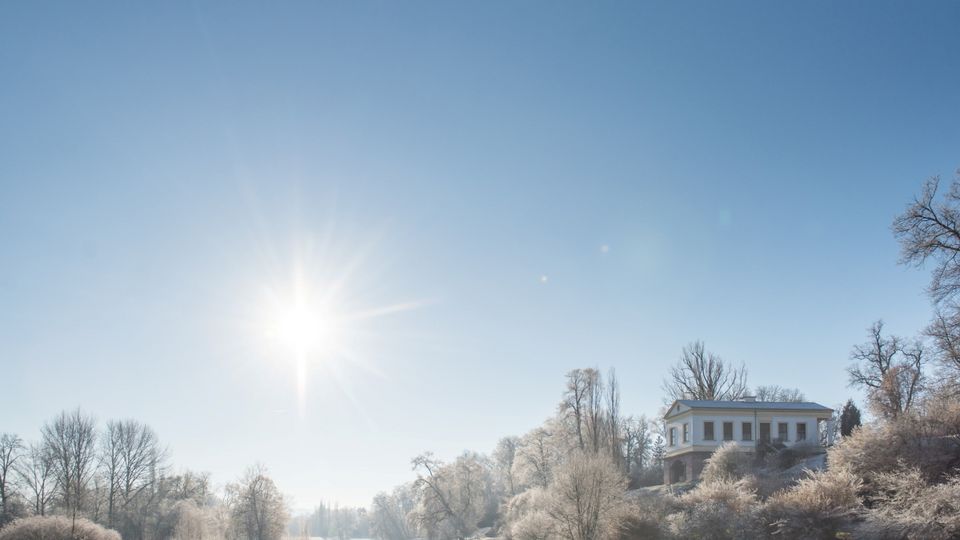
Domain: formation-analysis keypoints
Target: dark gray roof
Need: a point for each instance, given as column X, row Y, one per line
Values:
column 781, row 405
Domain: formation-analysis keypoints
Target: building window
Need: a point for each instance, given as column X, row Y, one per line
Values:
column 686, row 433
column 801, row 431
column 765, row 431
column 708, row 431
column 747, row 428
column 673, row 436
column 728, row 431
column 782, row 431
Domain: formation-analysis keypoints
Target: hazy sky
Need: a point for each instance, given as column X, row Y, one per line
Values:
column 546, row 185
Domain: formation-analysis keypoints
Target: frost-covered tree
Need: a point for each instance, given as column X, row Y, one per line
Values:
column 504, row 456
column 700, row 374
column 390, row 514
column 537, row 455
column 587, row 498
column 257, row 509
column 454, row 497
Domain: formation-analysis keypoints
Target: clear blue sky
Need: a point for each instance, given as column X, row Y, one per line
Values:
column 163, row 167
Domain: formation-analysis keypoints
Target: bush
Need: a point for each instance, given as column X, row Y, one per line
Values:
column 819, row 506
column 717, row 510
column 925, row 442
column 526, row 517
column 905, row 506
column 55, row 528
column 728, row 463
column 645, row 516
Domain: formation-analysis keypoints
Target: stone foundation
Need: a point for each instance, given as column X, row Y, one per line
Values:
column 685, row 467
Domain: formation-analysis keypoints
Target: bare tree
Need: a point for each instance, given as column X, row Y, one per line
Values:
column 637, row 441
column 71, row 441
column 587, row 498
column 130, row 457
column 700, row 374
column 257, row 509
column 613, row 420
column 945, row 332
column 929, row 231
column 11, row 450
column 890, row 370
column 581, row 384
column 37, row 474
column 778, row 393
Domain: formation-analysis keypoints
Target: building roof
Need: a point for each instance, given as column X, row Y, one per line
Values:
column 749, row 405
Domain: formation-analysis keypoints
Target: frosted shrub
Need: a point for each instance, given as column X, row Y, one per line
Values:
column 819, row 506
column 646, row 516
column 926, row 442
column 905, row 506
column 727, row 463
column 55, row 528
column 526, row 517
column 717, row 510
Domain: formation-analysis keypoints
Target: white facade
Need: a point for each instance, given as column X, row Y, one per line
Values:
column 688, row 425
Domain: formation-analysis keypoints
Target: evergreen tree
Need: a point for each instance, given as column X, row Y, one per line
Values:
column 849, row 418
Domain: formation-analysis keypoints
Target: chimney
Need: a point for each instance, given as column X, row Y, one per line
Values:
column 749, row 399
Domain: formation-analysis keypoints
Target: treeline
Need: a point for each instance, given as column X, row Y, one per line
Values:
column 334, row 522
column 118, row 475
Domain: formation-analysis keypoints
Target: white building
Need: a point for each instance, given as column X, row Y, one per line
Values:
column 695, row 428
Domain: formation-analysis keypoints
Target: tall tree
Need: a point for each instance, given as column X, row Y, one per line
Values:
column 504, row 457
column 71, row 441
column 890, row 370
column 929, row 232
column 849, row 418
column 700, row 374
column 581, row 389
column 614, row 423
column 130, row 457
column 11, row 450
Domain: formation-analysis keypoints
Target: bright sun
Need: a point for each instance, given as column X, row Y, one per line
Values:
column 303, row 329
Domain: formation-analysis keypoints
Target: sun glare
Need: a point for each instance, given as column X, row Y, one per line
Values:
column 302, row 329
column 312, row 326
